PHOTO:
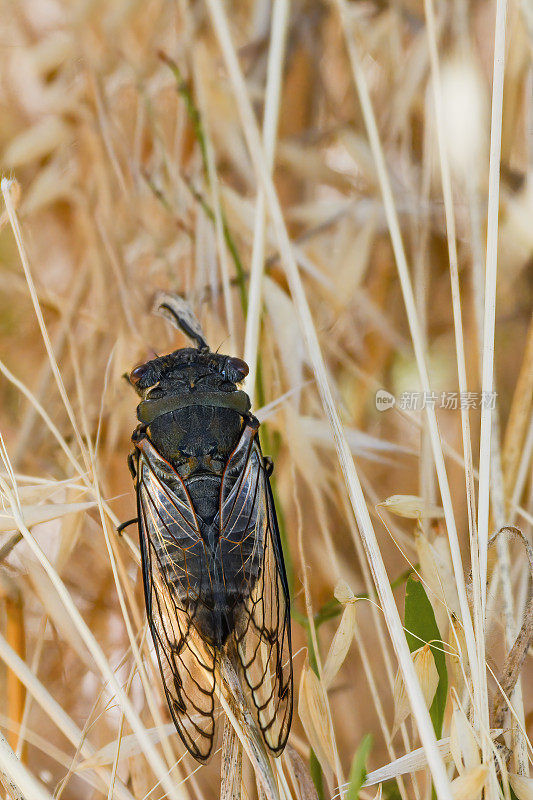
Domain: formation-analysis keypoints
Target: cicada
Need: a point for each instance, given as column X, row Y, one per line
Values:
column 212, row 561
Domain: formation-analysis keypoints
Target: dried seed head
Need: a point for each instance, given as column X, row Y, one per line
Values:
column 402, row 706
column 411, row 506
column 426, row 672
column 469, row 785
column 463, row 744
column 522, row 786
column 457, row 648
column 313, row 712
column 428, row 678
column 340, row 645
column 344, row 594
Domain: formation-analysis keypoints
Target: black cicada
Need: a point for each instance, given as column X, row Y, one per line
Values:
column 212, row 562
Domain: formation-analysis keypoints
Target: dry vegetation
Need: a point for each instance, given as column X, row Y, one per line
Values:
column 135, row 174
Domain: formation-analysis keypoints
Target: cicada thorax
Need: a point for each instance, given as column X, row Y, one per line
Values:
column 198, row 441
column 198, row 427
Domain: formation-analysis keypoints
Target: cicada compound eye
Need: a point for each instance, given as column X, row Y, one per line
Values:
column 237, row 369
column 137, row 373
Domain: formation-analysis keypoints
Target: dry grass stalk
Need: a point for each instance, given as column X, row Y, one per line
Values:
column 15, row 778
column 231, row 764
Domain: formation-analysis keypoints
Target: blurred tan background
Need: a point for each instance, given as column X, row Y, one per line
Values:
column 114, row 204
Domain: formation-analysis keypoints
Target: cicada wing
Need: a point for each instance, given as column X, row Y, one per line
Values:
column 176, row 571
column 262, row 633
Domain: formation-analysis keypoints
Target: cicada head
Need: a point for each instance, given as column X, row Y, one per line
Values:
column 186, row 371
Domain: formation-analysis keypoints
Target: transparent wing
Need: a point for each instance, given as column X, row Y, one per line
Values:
column 250, row 549
column 176, row 575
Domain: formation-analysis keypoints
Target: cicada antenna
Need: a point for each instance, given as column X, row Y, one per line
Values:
column 178, row 312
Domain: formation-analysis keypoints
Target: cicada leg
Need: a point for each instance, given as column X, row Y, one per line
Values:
column 124, row 525
column 131, row 465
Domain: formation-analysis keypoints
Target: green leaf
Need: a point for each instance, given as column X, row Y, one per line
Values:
column 390, row 790
column 358, row 769
column 316, row 774
column 421, row 628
